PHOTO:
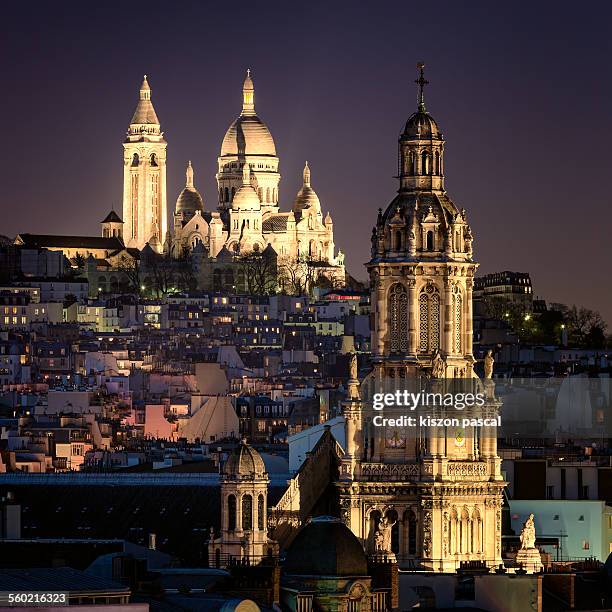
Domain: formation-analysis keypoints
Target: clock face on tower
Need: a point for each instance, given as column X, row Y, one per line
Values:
column 395, row 438
column 459, row 437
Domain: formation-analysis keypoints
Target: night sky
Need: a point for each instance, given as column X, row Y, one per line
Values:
column 521, row 90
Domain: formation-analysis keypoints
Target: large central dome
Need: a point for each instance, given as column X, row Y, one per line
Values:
column 248, row 134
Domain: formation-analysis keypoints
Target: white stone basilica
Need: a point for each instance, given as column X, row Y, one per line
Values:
column 248, row 217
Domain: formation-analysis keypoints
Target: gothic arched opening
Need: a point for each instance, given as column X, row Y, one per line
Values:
column 261, row 512
column 247, row 512
column 231, row 512
column 398, row 317
column 429, row 241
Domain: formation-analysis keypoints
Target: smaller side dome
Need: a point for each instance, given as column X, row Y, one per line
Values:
column 189, row 200
column 244, row 462
column 306, row 197
column 326, row 547
column 246, row 197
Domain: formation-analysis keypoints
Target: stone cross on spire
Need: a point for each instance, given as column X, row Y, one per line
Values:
column 421, row 82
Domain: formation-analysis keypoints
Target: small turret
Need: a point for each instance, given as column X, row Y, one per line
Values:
column 112, row 225
column 248, row 95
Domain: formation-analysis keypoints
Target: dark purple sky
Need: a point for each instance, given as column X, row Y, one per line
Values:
column 522, row 92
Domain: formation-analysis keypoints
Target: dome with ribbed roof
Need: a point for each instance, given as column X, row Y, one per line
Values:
column 248, row 134
column 326, row 547
column 244, row 462
column 306, row 196
column 189, row 200
column 421, row 125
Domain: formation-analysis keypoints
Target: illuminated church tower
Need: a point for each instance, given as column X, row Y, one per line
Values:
column 144, row 177
column 429, row 496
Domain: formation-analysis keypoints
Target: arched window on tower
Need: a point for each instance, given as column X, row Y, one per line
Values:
column 233, row 194
column 247, row 512
column 429, row 241
column 260, row 194
column 424, row 163
column 153, row 160
column 261, row 513
column 453, row 532
column 464, row 531
column 268, row 194
column 457, row 328
column 135, row 160
column 395, row 531
column 429, row 320
column 375, row 517
column 410, row 532
column 398, row 241
column 398, row 318
column 231, row 512
column 477, row 537
column 437, row 158
column 226, row 199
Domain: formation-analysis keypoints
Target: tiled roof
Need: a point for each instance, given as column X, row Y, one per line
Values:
column 35, row 241
column 275, row 223
column 112, row 217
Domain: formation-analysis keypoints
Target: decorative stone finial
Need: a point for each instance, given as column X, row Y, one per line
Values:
column 306, row 175
column 189, row 175
column 488, row 364
column 353, row 381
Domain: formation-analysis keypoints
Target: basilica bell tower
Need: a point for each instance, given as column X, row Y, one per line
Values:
column 145, row 213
